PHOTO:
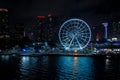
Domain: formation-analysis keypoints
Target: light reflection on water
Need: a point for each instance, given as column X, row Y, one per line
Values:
column 5, row 57
column 58, row 68
column 76, row 68
column 32, row 66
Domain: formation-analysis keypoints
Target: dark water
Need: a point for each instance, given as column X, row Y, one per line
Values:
column 58, row 68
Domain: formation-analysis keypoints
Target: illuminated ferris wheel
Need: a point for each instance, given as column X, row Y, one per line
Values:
column 74, row 34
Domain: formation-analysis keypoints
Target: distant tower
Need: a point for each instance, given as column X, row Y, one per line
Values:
column 3, row 21
column 105, row 25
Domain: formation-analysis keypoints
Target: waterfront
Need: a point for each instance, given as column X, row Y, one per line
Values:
column 58, row 68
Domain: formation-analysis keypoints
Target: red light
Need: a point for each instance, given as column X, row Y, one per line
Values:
column 41, row 17
column 49, row 15
column 3, row 9
column 97, row 36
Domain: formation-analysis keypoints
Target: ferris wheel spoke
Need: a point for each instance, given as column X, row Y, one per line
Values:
column 84, row 30
column 81, row 42
column 78, row 23
column 81, row 25
column 66, row 40
column 75, row 23
column 85, row 34
column 85, row 37
column 64, row 36
column 66, row 29
column 68, row 25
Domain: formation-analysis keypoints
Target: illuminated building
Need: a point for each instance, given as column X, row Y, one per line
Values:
column 4, row 29
column 18, row 36
column 41, row 29
column 51, row 28
column 116, row 30
column 97, row 33
column 4, row 21
column 47, row 29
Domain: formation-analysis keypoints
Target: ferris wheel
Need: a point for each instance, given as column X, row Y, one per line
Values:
column 74, row 34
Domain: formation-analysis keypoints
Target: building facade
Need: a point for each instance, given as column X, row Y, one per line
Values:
column 4, row 21
column 47, row 31
column 116, row 30
column 4, row 29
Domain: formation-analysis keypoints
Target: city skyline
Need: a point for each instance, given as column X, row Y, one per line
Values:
column 92, row 11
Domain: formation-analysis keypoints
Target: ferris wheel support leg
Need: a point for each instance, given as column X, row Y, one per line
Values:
column 71, row 41
column 78, row 42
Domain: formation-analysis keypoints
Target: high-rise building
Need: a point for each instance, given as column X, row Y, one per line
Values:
column 19, row 31
column 4, row 21
column 97, row 33
column 52, row 28
column 4, row 29
column 116, row 30
column 40, row 32
column 47, row 29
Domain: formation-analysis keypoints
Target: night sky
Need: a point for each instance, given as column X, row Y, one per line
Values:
column 92, row 11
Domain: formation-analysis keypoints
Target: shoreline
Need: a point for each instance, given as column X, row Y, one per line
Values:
column 113, row 56
column 45, row 54
column 16, row 52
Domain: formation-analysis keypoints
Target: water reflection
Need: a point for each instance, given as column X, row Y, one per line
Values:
column 4, row 57
column 75, row 62
column 58, row 68
column 75, row 68
column 31, row 67
column 107, row 63
column 111, row 69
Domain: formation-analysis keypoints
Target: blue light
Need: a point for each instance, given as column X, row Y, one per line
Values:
column 67, row 48
column 24, row 50
column 116, row 43
column 40, row 51
column 53, row 49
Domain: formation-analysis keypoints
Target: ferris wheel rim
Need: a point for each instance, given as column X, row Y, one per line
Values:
column 75, row 19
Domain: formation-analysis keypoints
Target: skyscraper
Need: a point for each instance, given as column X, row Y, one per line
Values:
column 47, row 29
column 116, row 30
column 19, row 31
column 4, row 21
column 4, row 29
column 41, row 32
column 52, row 28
